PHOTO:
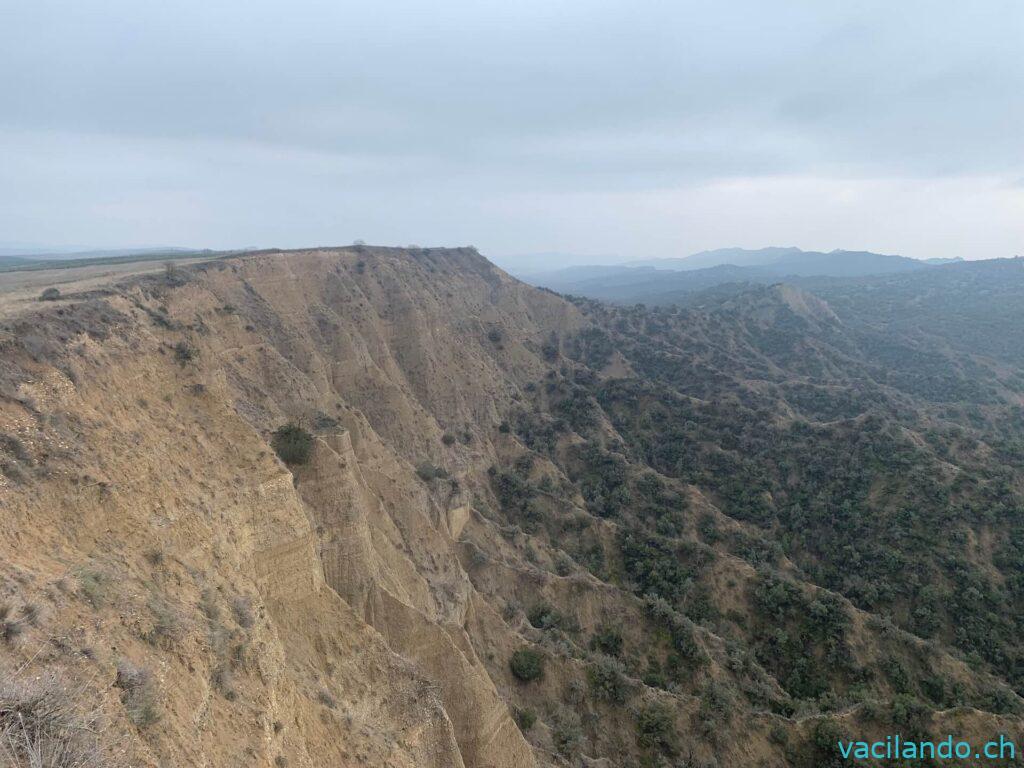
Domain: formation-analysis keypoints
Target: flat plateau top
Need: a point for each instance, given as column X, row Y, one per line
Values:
column 19, row 290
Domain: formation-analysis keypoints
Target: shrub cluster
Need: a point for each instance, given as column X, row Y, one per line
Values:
column 527, row 665
column 293, row 444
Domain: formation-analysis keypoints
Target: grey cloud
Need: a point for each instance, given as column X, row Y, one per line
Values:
column 489, row 100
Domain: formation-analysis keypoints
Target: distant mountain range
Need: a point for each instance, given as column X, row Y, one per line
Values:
column 791, row 261
column 654, row 280
column 9, row 261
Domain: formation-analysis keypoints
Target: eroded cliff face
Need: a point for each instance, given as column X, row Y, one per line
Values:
column 161, row 566
column 318, row 616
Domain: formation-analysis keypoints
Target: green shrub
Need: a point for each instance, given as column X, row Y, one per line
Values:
column 427, row 472
column 543, row 616
column 50, row 294
column 564, row 564
column 826, row 737
column 715, row 705
column 607, row 682
column 184, row 353
column 324, row 421
column 654, row 677
column 777, row 734
column 293, row 444
column 607, row 640
column 527, row 665
column 525, row 719
column 656, row 729
column 566, row 733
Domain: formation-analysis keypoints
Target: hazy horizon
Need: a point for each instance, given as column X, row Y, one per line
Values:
column 521, row 265
column 622, row 130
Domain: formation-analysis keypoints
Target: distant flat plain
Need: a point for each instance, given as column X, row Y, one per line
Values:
column 20, row 289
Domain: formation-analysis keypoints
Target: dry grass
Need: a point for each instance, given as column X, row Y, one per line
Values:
column 241, row 607
column 139, row 693
column 209, row 604
column 94, row 587
column 168, row 629
column 10, row 627
column 42, row 724
column 224, row 682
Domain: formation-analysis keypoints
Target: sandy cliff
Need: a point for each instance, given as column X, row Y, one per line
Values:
column 320, row 616
column 163, row 569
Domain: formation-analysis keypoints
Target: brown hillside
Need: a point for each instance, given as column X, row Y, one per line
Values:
column 218, row 607
column 145, row 504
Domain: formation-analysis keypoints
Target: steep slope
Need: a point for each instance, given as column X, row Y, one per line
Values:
column 139, row 482
column 528, row 531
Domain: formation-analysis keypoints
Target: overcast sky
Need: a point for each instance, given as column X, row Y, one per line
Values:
column 611, row 130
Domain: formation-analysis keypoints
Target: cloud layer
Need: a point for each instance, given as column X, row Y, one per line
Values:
column 634, row 128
